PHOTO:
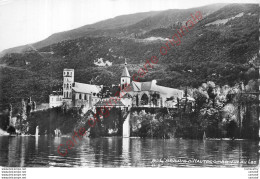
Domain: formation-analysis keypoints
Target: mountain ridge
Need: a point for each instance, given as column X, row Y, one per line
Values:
column 117, row 22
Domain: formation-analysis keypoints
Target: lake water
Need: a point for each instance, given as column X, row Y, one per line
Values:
column 30, row 151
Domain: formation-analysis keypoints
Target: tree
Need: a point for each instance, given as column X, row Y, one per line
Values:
column 211, row 92
column 200, row 98
column 22, row 126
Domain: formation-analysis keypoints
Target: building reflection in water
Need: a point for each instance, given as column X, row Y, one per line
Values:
column 136, row 153
column 86, row 154
column 125, row 151
column 23, row 143
column 36, row 143
column 12, row 151
column 29, row 151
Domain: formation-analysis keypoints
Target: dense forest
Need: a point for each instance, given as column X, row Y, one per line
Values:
column 218, row 52
column 219, row 112
column 221, row 49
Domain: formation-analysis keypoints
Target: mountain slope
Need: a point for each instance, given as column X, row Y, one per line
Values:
column 219, row 48
column 119, row 25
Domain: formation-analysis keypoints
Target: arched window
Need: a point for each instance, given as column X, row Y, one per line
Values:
column 137, row 100
column 154, row 100
column 70, row 86
column 67, row 86
column 79, row 96
column 144, row 99
column 85, row 97
column 67, row 94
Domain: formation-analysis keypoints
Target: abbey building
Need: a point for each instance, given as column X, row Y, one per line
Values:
column 138, row 94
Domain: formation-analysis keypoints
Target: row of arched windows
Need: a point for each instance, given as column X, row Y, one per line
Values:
column 67, row 86
column 67, row 73
column 145, row 100
column 80, row 96
column 67, row 94
column 83, row 96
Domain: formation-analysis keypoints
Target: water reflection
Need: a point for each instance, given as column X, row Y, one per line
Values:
column 126, row 151
column 41, row 151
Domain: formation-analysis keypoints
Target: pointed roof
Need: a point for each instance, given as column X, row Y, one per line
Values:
column 125, row 71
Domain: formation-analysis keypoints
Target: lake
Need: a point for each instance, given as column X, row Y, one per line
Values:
column 41, row 151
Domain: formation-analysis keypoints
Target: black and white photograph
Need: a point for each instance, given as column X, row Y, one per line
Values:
column 129, row 84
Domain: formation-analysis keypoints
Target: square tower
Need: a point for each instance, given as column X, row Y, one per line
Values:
column 68, row 80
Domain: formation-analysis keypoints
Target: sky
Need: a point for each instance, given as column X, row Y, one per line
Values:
column 28, row 21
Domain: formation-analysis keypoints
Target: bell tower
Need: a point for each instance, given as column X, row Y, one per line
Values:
column 68, row 80
column 125, row 77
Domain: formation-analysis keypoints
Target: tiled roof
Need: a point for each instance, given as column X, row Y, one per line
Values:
column 135, row 86
column 146, row 86
column 152, row 86
column 170, row 91
column 143, row 86
column 86, row 88
column 108, row 103
column 55, row 93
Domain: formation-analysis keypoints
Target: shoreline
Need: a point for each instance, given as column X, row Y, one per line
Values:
column 67, row 136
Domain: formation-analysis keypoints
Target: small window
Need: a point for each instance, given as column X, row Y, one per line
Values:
column 68, row 73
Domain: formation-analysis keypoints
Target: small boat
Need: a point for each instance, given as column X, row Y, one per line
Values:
column 204, row 136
